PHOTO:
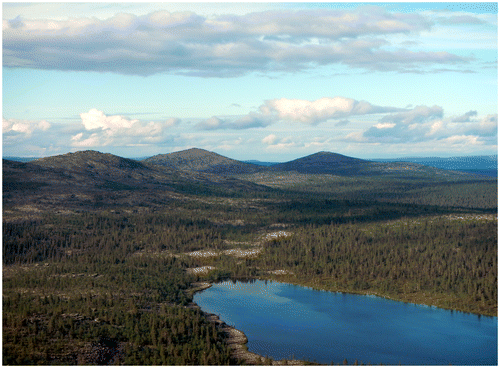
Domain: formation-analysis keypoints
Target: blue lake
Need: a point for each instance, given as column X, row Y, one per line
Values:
column 284, row 321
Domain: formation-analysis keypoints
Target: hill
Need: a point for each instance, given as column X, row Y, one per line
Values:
column 479, row 165
column 261, row 163
column 89, row 180
column 452, row 163
column 325, row 163
column 196, row 159
column 20, row 159
column 337, row 164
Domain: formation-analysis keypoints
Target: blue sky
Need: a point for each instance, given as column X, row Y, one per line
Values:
column 266, row 81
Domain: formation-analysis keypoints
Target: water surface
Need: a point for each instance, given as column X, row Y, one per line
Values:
column 283, row 321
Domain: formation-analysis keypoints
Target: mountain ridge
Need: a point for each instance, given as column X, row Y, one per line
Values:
column 475, row 162
column 87, row 179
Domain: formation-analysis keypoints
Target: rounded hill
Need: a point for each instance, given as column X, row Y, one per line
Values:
column 196, row 159
column 327, row 163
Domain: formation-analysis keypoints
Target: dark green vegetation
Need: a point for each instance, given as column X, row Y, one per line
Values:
column 100, row 253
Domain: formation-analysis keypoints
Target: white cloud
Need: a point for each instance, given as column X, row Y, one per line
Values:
column 323, row 109
column 318, row 143
column 309, row 112
column 249, row 121
column 385, row 125
column 95, row 119
column 438, row 126
column 418, row 114
column 489, row 125
column 463, row 140
column 278, row 144
column 117, row 130
column 172, row 122
column 355, row 137
column 228, row 145
column 270, row 139
column 296, row 110
column 117, row 125
column 425, row 124
column 210, row 124
column 92, row 141
column 24, row 126
column 222, row 45
column 465, row 117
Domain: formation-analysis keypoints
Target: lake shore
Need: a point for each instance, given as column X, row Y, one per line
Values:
column 237, row 339
column 423, row 298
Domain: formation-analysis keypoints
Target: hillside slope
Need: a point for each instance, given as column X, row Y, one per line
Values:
column 90, row 179
column 337, row 164
column 196, row 159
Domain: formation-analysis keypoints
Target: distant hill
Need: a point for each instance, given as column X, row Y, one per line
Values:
column 337, row 164
column 20, row 159
column 96, row 164
column 196, row 159
column 452, row 163
column 261, row 163
column 90, row 178
column 325, row 163
column 486, row 172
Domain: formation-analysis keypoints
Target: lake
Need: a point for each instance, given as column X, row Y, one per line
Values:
column 283, row 321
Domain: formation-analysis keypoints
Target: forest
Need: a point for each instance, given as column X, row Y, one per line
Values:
column 114, row 285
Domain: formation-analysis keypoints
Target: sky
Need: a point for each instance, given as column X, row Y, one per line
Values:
column 250, row 81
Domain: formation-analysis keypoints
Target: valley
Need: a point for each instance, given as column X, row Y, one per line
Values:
column 101, row 254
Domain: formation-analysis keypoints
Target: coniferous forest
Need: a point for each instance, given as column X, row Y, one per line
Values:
column 112, row 283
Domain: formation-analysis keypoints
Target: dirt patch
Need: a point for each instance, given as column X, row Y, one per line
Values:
column 281, row 272
column 203, row 254
column 243, row 253
column 277, row 235
column 200, row 270
column 236, row 252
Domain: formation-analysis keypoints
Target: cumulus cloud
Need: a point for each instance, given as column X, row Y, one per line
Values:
column 463, row 140
column 323, row 109
column 423, row 123
column 418, row 114
column 172, row 122
column 93, row 141
column 485, row 127
column 408, row 126
column 273, row 143
column 465, row 117
column 211, row 124
column 270, row 139
column 23, row 126
column 249, row 121
column 222, row 45
column 460, row 19
column 297, row 111
column 385, row 125
column 95, row 119
column 105, row 130
column 120, row 125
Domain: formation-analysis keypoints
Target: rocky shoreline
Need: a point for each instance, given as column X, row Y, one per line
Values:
column 236, row 339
